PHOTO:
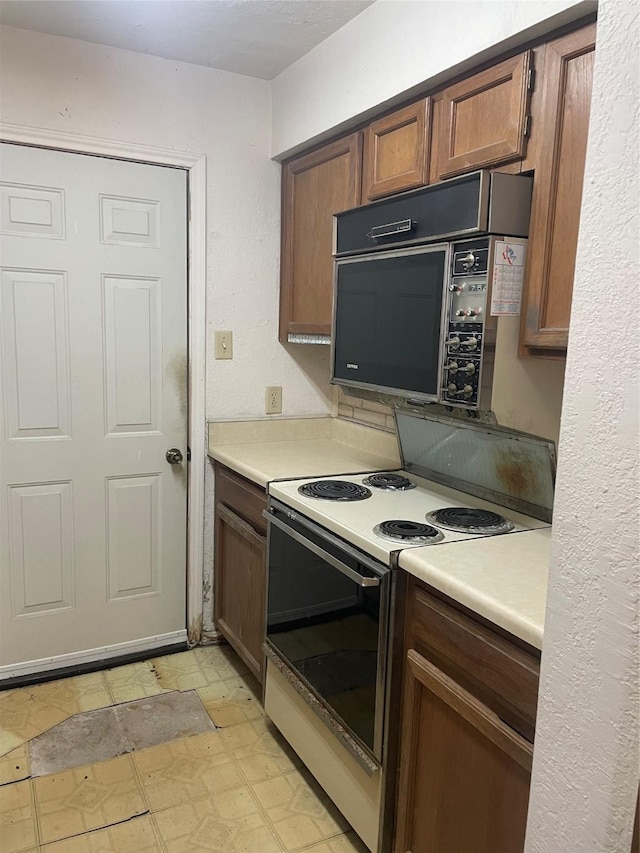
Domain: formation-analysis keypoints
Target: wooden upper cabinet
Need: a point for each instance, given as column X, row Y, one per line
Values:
column 484, row 117
column 396, row 152
column 314, row 187
column 560, row 126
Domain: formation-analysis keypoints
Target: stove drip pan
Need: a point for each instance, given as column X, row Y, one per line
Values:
column 334, row 490
column 462, row 519
column 408, row 532
column 389, row 482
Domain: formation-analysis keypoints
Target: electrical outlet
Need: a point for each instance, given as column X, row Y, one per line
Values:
column 223, row 344
column 273, row 400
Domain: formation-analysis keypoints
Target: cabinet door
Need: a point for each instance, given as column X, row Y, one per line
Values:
column 240, row 583
column 314, row 187
column 464, row 774
column 396, row 152
column 561, row 129
column 484, row 118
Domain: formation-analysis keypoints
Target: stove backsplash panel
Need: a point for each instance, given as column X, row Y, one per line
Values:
column 510, row 468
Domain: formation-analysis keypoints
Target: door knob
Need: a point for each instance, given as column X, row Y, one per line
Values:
column 174, row 456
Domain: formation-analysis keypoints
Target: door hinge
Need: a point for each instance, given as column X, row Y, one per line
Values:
column 527, row 126
column 531, row 79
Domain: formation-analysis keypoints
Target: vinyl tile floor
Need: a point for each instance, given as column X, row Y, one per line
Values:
column 170, row 755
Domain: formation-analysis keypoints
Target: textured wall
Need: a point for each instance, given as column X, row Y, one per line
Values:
column 70, row 85
column 586, row 759
column 394, row 46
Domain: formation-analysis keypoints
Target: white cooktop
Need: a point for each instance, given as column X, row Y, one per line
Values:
column 354, row 520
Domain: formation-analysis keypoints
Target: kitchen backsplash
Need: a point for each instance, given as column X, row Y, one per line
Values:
column 365, row 411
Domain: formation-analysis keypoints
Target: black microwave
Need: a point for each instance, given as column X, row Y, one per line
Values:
column 412, row 286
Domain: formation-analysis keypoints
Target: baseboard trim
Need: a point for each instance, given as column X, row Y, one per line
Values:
column 77, row 663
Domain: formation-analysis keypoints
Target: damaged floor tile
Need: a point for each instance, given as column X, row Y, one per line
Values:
column 83, row 739
column 159, row 719
column 238, row 788
column 134, row 836
column 14, row 766
column 86, row 798
column 232, row 702
column 109, row 732
column 17, row 818
column 134, row 681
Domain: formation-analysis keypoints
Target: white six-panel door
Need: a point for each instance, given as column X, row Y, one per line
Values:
column 94, row 392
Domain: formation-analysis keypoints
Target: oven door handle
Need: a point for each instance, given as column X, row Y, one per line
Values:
column 320, row 552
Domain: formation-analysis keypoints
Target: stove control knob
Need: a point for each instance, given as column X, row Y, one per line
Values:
column 452, row 367
column 469, row 261
column 467, row 391
column 472, row 312
column 461, row 312
column 452, row 389
column 454, row 343
column 456, row 288
column 470, row 369
column 470, row 343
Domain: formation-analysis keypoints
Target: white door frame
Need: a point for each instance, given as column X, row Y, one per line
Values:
column 195, row 164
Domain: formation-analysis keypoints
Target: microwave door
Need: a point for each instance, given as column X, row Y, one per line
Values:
column 388, row 318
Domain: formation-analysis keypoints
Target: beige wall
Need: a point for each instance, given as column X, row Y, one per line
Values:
column 527, row 392
column 586, row 763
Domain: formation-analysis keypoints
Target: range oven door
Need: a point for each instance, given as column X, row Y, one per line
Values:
column 327, row 618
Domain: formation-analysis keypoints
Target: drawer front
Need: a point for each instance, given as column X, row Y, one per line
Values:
column 458, row 206
column 245, row 498
column 498, row 672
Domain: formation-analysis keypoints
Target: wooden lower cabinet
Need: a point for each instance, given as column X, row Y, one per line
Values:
column 240, row 567
column 464, row 773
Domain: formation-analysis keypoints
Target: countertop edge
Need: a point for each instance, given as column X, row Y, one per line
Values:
column 504, row 616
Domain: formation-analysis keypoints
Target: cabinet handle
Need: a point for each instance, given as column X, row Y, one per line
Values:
column 236, row 523
column 471, row 709
column 390, row 228
column 361, row 580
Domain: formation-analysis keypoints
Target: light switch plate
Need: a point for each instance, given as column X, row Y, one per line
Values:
column 223, row 344
column 273, row 400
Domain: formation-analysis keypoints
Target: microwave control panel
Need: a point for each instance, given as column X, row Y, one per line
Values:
column 469, row 339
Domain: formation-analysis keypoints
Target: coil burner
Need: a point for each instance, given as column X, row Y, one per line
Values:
column 389, row 482
column 462, row 519
column 334, row 490
column 414, row 532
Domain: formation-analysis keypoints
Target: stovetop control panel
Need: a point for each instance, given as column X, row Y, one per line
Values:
column 469, row 342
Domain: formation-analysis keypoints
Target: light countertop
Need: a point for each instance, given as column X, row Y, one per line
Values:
column 503, row 578
column 301, row 447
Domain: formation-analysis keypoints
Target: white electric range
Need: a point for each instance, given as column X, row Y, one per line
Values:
column 387, row 512
column 333, row 548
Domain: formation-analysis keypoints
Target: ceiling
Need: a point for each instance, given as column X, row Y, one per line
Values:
column 259, row 38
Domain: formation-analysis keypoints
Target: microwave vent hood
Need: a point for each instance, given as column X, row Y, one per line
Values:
column 478, row 203
column 507, row 467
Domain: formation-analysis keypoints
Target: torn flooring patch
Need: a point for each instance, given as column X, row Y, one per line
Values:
column 103, row 734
